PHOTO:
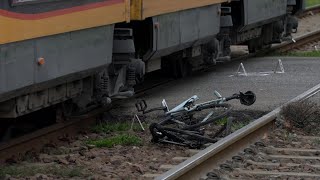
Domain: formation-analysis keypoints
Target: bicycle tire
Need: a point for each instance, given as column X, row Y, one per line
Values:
column 154, row 132
column 178, row 136
column 193, row 135
column 158, row 133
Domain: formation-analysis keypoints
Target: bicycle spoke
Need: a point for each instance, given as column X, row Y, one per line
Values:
column 207, row 117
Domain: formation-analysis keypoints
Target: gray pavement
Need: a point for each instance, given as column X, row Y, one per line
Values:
column 272, row 90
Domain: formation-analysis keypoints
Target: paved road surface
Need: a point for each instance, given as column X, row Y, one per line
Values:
column 272, row 90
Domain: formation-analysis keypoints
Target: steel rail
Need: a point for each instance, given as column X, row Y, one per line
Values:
column 206, row 160
column 306, row 12
column 297, row 42
column 15, row 149
column 283, row 47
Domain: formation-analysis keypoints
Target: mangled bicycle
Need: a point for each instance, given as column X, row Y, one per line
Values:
column 185, row 124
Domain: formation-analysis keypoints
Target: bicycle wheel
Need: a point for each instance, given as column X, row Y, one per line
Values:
column 161, row 135
column 193, row 139
column 190, row 135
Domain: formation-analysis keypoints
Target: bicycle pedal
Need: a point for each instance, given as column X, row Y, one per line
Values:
column 141, row 105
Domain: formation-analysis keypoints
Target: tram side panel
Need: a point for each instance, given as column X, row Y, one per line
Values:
column 263, row 11
column 182, row 36
column 60, row 52
column 259, row 24
column 87, row 53
column 176, row 31
column 83, row 50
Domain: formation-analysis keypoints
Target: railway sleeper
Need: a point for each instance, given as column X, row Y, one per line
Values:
column 273, row 174
column 265, row 162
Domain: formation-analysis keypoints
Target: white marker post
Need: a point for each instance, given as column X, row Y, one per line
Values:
column 134, row 118
column 241, row 67
column 279, row 66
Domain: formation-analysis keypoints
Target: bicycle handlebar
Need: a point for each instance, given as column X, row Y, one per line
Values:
column 235, row 96
column 247, row 98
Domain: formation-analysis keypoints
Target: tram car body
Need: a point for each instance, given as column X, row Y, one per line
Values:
column 88, row 52
column 259, row 24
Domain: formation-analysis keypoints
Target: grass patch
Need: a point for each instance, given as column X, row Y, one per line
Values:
column 222, row 121
column 289, row 137
column 31, row 170
column 303, row 54
column 310, row 3
column 122, row 139
column 302, row 115
column 116, row 127
column 316, row 142
column 298, row 54
column 237, row 125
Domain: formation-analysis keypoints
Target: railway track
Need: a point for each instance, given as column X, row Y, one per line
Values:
column 300, row 41
column 297, row 43
column 54, row 135
column 310, row 11
column 15, row 149
column 257, row 151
